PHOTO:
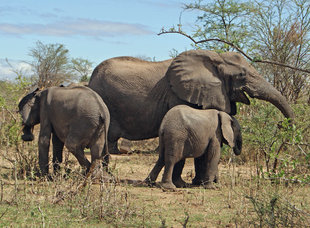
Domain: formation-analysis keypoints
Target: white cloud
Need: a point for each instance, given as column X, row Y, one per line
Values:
column 7, row 70
column 80, row 27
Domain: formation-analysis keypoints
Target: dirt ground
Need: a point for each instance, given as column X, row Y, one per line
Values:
column 233, row 204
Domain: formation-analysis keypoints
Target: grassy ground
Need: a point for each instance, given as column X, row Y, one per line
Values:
column 242, row 200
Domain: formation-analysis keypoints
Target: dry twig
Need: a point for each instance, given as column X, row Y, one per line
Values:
column 237, row 48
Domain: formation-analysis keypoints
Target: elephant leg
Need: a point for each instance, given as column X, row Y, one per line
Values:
column 172, row 152
column 57, row 152
column 216, row 179
column 200, row 169
column 114, row 135
column 213, row 154
column 113, row 149
column 176, row 174
column 98, row 152
column 75, row 148
column 80, row 156
column 155, row 171
column 151, row 178
column 44, row 143
column 167, row 176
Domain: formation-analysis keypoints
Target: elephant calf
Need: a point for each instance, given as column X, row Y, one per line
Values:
column 75, row 117
column 188, row 132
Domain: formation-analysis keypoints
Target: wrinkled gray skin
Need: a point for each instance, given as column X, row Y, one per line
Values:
column 75, row 117
column 187, row 132
column 139, row 93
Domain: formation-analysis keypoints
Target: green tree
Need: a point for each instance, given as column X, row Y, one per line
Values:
column 222, row 19
column 281, row 32
column 82, row 67
column 50, row 64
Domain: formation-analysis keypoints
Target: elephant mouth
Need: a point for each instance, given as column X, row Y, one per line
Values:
column 240, row 95
column 28, row 135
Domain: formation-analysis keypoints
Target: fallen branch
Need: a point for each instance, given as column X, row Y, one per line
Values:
column 237, row 48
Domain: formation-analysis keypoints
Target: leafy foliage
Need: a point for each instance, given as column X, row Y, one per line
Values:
column 278, row 146
column 273, row 210
column 83, row 67
column 25, row 155
column 222, row 19
column 52, row 65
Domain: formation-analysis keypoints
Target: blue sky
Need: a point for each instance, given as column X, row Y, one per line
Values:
column 91, row 29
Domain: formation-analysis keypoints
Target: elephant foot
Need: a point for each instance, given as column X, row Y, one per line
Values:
column 210, row 185
column 99, row 173
column 113, row 149
column 141, row 183
column 167, row 186
column 149, row 182
column 180, row 183
column 197, row 182
column 124, row 146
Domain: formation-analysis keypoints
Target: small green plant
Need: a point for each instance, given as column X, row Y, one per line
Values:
column 276, row 144
column 271, row 210
column 22, row 156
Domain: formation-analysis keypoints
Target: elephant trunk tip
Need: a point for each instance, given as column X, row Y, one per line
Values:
column 237, row 151
column 27, row 138
column 238, row 146
column 28, row 135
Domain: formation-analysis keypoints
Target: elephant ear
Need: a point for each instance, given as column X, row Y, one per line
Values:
column 193, row 77
column 234, row 64
column 226, row 127
column 28, row 97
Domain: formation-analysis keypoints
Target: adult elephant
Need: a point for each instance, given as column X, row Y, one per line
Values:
column 139, row 93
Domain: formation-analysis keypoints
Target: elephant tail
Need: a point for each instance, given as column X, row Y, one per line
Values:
column 105, row 129
column 102, row 128
column 161, row 147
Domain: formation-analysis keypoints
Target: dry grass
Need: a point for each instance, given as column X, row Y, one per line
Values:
column 119, row 204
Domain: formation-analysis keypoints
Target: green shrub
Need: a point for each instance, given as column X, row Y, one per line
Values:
column 277, row 146
column 272, row 210
column 22, row 156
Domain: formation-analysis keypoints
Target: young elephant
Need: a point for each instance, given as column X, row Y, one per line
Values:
column 75, row 117
column 188, row 132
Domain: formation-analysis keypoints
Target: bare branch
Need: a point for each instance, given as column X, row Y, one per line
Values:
column 237, row 48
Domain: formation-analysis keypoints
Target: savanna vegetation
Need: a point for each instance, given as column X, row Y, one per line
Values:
column 268, row 185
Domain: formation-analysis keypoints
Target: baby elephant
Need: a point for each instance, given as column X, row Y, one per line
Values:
column 188, row 132
column 75, row 117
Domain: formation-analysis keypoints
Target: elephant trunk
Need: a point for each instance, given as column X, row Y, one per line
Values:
column 238, row 145
column 261, row 89
column 27, row 136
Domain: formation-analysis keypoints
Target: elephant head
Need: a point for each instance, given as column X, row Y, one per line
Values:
column 212, row 80
column 29, row 109
column 231, row 132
